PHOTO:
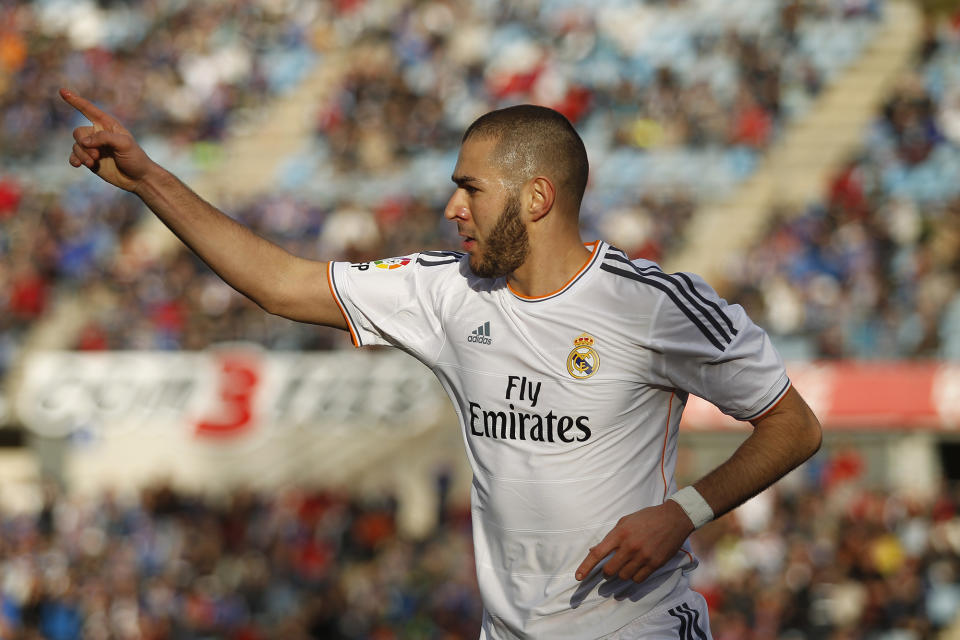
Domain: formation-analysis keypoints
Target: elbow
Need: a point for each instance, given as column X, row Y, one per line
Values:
column 263, row 300
column 278, row 297
column 275, row 305
column 287, row 306
column 813, row 435
column 817, row 437
column 270, row 300
column 807, row 431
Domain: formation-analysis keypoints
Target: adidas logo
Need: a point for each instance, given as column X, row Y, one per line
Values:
column 480, row 335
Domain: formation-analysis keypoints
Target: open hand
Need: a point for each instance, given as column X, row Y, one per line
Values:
column 644, row 541
column 106, row 147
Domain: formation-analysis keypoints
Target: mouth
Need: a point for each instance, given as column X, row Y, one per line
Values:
column 468, row 243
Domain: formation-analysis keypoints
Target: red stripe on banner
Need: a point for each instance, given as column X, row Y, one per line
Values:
column 861, row 395
column 883, row 395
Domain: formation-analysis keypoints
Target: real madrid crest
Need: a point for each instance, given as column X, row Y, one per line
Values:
column 584, row 360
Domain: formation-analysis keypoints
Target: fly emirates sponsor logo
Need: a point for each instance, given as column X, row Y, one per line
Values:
column 516, row 424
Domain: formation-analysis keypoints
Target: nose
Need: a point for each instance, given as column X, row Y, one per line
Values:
column 457, row 208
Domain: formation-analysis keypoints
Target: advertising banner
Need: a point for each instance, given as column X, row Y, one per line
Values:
column 229, row 392
column 224, row 393
column 873, row 396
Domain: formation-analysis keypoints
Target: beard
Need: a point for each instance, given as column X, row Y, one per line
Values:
column 507, row 245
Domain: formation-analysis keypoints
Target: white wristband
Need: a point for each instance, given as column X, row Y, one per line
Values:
column 693, row 505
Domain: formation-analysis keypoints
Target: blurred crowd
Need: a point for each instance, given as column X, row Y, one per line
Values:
column 873, row 269
column 176, row 69
column 829, row 559
column 834, row 561
column 170, row 564
column 675, row 101
column 690, row 76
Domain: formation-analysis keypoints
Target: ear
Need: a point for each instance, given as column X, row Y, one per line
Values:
column 541, row 195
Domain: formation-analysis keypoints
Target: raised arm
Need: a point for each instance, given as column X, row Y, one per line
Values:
column 782, row 439
column 278, row 281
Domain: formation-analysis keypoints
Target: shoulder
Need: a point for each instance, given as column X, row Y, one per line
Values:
column 450, row 271
column 429, row 259
column 441, row 269
column 643, row 275
column 681, row 302
column 426, row 272
column 445, row 276
column 430, row 263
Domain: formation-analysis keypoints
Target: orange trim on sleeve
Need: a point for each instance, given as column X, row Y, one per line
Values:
column 663, row 452
column 343, row 312
column 596, row 245
column 663, row 457
column 775, row 404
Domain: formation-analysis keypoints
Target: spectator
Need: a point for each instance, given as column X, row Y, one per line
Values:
column 823, row 560
column 681, row 112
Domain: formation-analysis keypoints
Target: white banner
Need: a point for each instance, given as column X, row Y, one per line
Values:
column 224, row 393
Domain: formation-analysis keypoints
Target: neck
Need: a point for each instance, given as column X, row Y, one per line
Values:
column 549, row 267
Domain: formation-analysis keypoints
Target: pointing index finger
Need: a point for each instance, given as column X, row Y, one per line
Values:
column 91, row 111
column 594, row 556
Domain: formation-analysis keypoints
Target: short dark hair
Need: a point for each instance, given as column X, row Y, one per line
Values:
column 534, row 140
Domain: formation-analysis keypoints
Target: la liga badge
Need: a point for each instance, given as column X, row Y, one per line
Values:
column 391, row 263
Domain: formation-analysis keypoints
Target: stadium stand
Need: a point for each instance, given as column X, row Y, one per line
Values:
column 708, row 106
column 841, row 561
column 177, row 70
column 870, row 271
column 198, row 70
column 830, row 559
column 661, row 90
column 299, row 564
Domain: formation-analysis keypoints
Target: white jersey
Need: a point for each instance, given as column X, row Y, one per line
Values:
column 569, row 406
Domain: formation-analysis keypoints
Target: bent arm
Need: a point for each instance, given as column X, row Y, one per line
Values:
column 278, row 281
column 643, row 541
column 782, row 439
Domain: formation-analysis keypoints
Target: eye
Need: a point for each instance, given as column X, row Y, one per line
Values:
column 469, row 189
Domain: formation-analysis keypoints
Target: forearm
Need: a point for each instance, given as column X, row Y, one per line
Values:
column 780, row 442
column 250, row 264
column 644, row 540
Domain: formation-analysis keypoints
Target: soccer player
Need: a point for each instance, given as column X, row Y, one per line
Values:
column 568, row 364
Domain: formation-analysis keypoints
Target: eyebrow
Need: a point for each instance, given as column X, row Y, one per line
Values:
column 463, row 180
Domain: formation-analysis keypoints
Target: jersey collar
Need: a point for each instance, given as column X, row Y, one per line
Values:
column 594, row 255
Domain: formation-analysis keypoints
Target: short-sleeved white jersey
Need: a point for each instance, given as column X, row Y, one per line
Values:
column 569, row 406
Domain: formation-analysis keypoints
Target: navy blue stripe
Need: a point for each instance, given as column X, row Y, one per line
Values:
column 672, row 295
column 437, row 263
column 656, row 272
column 713, row 304
column 689, row 619
column 684, row 631
column 620, row 256
column 346, row 310
column 695, row 624
column 776, row 399
column 443, row 254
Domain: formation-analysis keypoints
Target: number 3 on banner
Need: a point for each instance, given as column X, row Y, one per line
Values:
column 237, row 386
